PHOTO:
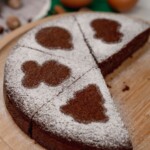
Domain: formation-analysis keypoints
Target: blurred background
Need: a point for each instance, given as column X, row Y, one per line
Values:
column 15, row 13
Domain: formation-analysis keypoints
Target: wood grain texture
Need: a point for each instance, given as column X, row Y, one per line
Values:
column 134, row 104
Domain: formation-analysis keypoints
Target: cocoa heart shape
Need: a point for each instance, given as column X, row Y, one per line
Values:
column 54, row 38
column 107, row 30
column 86, row 106
column 51, row 72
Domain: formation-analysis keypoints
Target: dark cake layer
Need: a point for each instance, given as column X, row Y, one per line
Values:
column 18, row 116
column 54, row 142
column 46, row 139
column 109, row 65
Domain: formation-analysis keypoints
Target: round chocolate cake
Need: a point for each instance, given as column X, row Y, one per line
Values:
column 54, row 80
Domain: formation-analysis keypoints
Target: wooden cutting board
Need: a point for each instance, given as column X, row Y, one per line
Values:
column 134, row 104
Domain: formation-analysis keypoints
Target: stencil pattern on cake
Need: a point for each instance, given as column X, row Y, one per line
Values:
column 54, row 38
column 107, row 30
column 51, row 73
column 86, row 106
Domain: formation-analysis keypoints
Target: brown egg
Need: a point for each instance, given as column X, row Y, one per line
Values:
column 122, row 5
column 76, row 3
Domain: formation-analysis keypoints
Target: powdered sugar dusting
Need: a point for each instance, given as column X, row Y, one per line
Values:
column 31, row 99
column 109, row 134
column 42, row 104
column 101, row 50
column 79, row 50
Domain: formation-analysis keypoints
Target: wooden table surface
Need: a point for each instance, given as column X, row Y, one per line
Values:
column 133, row 104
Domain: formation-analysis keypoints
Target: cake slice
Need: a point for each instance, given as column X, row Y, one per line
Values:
column 32, row 78
column 112, row 38
column 59, row 37
column 82, row 117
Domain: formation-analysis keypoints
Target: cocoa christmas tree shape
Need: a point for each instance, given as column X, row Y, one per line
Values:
column 51, row 72
column 86, row 106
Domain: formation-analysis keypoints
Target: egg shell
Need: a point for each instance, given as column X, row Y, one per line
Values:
column 122, row 5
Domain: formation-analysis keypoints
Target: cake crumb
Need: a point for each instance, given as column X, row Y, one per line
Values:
column 126, row 88
column 30, row 20
column 109, row 86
